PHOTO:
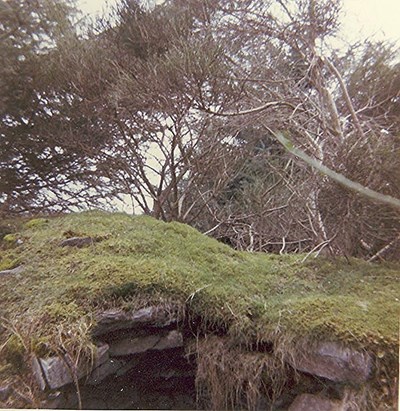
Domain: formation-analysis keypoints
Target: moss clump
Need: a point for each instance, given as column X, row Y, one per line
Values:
column 35, row 223
column 10, row 239
column 59, row 311
column 8, row 262
column 250, row 296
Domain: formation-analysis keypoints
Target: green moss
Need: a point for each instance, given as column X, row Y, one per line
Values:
column 10, row 238
column 247, row 294
column 39, row 346
column 11, row 241
column 35, row 223
column 13, row 352
column 8, row 262
column 57, row 311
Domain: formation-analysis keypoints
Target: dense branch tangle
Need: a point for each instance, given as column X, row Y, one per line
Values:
column 181, row 108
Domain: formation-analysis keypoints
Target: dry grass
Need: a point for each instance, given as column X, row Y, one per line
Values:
column 231, row 377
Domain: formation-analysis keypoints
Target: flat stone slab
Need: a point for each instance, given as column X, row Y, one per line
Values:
column 310, row 402
column 113, row 320
column 135, row 345
column 336, row 363
column 54, row 372
column 38, row 373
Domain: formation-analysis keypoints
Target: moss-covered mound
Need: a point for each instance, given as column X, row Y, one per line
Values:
column 249, row 296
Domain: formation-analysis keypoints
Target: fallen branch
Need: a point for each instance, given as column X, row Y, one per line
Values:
column 339, row 178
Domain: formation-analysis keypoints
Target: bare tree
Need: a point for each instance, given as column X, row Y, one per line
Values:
column 189, row 99
column 291, row 80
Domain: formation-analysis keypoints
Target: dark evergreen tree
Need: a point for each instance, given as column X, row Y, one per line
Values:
column 44, row 134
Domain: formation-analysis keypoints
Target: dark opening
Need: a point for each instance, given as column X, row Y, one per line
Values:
column 151, row 380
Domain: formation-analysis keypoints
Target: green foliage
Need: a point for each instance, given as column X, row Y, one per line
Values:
column 36, row 106
column 59, row 311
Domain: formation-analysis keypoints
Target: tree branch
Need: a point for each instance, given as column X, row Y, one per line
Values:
column 346, row 96
column 339, row 178
column 252, row 110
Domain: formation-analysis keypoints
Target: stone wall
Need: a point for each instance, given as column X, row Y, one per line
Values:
column 141, row 362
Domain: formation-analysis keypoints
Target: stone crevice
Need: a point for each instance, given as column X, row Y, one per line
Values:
column 141, row 362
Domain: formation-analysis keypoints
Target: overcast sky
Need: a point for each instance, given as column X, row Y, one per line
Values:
column 362, row 18
column 378, row 18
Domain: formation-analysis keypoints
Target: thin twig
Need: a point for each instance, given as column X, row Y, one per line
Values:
column 252, row 110
column 283, row 246
column 191, row 296
column 384, row 249
column 323, row 244
column 213, row 229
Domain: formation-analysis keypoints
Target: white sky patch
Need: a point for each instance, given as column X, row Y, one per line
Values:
column 94, row 8
column 98, row 7
column 378, row 19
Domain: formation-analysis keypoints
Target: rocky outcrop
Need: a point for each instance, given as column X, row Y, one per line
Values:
column 116, row 319
column 111, row 366
column 335, row 362
column 144, row 344
column 141, row 363
column 55, row 372
column 147, row 332
column 309, row 402
column 135, row 345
